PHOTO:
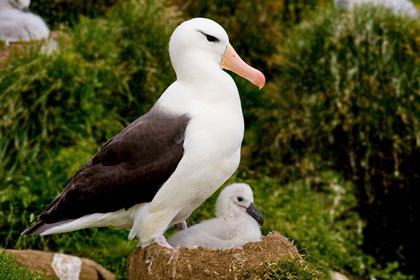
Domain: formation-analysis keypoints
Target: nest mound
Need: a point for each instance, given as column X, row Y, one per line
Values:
column 156, row 262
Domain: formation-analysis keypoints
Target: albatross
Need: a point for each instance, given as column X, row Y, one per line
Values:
column 398, row 7
column 165, row 164
column 18, row 24
column 236, row 222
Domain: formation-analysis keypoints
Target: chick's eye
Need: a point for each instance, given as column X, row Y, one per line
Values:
column 240, row 199
column 211, row 38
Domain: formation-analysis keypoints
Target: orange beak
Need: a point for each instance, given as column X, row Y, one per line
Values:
column 231, row 61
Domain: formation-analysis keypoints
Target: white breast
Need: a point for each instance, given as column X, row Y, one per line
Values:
column 214, row 134
column 211, row 150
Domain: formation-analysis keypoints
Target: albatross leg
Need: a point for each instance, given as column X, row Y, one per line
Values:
column 182, row 225
column 161, row 240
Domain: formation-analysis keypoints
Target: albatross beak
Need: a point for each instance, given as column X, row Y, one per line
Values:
column 254, row 213
column 231, row 61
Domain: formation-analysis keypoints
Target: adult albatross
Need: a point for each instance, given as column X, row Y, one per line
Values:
column 160, row 168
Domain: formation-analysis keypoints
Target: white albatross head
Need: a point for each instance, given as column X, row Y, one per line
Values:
column 199, row 46
column 22, row 5
column 237, row 200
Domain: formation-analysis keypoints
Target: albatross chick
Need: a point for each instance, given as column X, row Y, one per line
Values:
column 18, row 24
column 236, row 222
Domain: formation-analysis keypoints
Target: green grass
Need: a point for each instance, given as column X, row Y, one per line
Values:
column 11, row 270
column 285, row 269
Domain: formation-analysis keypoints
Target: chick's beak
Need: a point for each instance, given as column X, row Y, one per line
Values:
column 231, row 61
column 254, row 213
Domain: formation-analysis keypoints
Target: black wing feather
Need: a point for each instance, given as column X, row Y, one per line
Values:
column 129, row 169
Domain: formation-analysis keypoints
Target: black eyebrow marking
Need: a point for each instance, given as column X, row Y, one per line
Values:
column 210, row 38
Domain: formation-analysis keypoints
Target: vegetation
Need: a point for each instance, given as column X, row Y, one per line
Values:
column 349, row 101
column 286, row 269
column 60, row 12
column 10, row 270
column 331, row 145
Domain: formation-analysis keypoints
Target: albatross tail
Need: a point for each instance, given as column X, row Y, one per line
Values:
column 40, row 227
column 118, row 219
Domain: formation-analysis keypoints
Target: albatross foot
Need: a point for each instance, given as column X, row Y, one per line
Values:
column 161, row 240
column 182, row 225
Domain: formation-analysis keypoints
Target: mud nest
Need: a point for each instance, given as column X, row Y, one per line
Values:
column 156, row 262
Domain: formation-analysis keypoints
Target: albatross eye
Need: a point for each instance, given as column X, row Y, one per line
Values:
column 240, row 198
column 210, row 38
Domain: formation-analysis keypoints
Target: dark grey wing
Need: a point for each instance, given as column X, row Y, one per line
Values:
column 129, row 169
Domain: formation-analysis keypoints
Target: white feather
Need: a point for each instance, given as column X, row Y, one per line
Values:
column 16, row 25
column 231, row 227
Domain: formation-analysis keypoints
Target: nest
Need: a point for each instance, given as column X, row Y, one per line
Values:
column 156, row 262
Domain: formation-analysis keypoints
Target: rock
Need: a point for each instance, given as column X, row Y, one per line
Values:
column 57, row 265
column 156, row 262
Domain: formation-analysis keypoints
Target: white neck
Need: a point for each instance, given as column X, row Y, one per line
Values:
column 194, row 65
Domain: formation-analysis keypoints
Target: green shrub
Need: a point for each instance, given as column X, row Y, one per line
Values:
column 318, row 217
column 10, row 270
column 346, row 97
column 255, row 28
column 57, row 12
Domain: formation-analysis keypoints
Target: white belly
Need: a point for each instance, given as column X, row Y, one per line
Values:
column 211, row 155
column 210, row 179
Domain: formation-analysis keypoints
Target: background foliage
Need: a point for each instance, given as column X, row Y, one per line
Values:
column 350, row 85
column 332, row 142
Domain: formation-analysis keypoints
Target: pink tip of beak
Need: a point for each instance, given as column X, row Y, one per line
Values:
column 260, row 80
column 234, row 63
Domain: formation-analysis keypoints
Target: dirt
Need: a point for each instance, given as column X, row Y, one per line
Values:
column 37, row 261
column 156, row 262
